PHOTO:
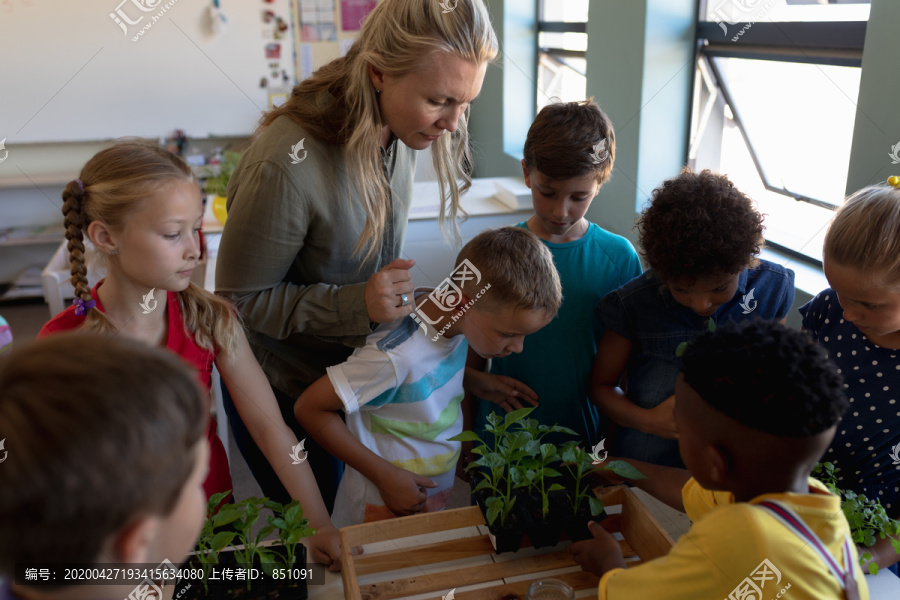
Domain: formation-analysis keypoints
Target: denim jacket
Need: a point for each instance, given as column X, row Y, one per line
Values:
column 644, row 312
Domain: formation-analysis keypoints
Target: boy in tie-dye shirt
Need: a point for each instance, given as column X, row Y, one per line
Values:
column 401, row 392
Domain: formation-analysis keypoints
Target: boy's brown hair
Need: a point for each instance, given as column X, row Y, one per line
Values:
column 100, row 431
column 518, row 267
column 571, row 139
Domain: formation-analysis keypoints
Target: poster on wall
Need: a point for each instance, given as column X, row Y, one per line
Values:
column 317, row 22
column 353, row 12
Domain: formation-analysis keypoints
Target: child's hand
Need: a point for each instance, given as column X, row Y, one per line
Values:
column 506, row 392
column 404, row 491
column 326, row 547
column 600, row 554
column 661, row 420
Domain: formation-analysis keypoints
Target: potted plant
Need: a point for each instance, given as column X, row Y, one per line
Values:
column 534, row 475
column 217, row 182
column 581, row 505
column 232, row 524
column 867, row 518
column 493, row 489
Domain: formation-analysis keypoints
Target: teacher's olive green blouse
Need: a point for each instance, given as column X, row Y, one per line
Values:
column 287, row 255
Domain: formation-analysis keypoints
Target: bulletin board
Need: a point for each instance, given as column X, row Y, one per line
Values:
column 325, row 30
column 103, row 69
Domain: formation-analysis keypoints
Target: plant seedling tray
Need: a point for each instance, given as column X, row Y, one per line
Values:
column 429, row 554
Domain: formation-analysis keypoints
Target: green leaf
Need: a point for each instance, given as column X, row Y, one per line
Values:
column 516, row 415
column 624, row 469
column 221, row 540
column 228, row 514
column 596, row 505
column 548, row 451
column 466, row 436
column 264, row 533
column 555, row 488
column 551, row 472
column 494, row 505
column 561, row 429
column 483, row 484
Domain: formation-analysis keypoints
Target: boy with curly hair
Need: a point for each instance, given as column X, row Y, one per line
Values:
column 699, row 236
column 568, row 155
column 758, row 404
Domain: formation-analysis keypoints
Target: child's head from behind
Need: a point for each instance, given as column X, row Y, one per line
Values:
column 568, row 154
column 698, row 234
column 518, row 291
column 862, row 259
column 757, row 402
column 140, row 205
column 106, row 453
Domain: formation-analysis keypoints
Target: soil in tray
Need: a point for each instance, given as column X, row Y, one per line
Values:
column 263, row 588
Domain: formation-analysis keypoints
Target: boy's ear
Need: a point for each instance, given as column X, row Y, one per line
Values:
column 719, row 463
column 101, row 236
column 526, row 174
column 132, row 543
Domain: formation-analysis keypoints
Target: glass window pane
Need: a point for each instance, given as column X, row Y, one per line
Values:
column 559, row 80
column 569, row 11
column 799, row 226
column 746, row 11
column 564, row 41
column 799, row 119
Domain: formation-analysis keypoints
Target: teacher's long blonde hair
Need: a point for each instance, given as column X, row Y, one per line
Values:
column 395, row 36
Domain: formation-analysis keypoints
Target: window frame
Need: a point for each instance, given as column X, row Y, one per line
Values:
column 837, row 43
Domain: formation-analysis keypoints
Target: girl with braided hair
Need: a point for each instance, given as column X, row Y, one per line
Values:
column 140, row 206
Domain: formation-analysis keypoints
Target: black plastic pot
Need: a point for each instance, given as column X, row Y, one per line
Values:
column 262, row 588
column 509, row 538
column 542, row 532
column 576, row 526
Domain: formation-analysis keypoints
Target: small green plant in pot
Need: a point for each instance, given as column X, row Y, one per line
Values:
column 231, row 525
column 495, row 490
column 582, row 505
column 868, row 520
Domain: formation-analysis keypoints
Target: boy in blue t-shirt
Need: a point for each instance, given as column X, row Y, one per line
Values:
column 568, row 155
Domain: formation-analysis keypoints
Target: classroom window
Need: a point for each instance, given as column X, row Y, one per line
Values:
column 774, row 109
column 562, row 43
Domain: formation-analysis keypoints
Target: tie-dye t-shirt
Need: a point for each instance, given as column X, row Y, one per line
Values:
column 401, row 395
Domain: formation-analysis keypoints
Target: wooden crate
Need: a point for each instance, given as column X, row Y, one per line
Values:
column 459, row 536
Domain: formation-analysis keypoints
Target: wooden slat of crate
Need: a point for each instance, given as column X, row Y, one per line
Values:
column 640, row 529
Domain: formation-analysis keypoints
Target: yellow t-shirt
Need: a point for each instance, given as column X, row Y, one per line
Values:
column 736, row 551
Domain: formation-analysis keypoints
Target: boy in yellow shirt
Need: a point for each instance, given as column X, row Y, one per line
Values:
column 757, row 405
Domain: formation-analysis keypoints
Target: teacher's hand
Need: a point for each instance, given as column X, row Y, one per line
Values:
column 385, row 291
